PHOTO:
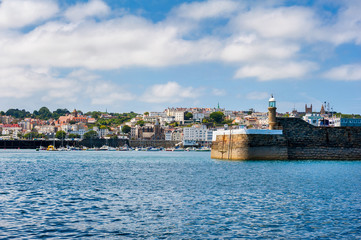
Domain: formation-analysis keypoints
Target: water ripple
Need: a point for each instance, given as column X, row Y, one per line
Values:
column 136, row 195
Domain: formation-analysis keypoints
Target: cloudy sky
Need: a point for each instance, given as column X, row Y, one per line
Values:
column 145, row 55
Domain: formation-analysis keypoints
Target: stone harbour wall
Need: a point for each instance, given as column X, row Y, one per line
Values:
column 249, row 147
column 299, row 141
column 301, row 134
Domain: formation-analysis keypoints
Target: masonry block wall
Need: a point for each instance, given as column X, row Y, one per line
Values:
column 306, row 141
column 300, row 141
column 250, row 147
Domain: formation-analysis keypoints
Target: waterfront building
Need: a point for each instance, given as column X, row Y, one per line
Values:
column 66, row 128
column 46, row 129
column 148, row 132
column 197, row 133
column 80, row 132
column 346, row 122
column 168, row 134
column 174, row 135
column 103, row 132
column 10, row 130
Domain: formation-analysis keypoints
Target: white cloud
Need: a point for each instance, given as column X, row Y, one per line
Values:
column 127, row 41
column 20, row 13
column 250, row 48
column 276, row 70
column 93, row 8
column 351, row 72
column 257, row 95
column 282, row 22
column 170, row 92
column 22, row 83
column 347, row 26
column 219, row 92
column 266, row 43
column 207, row 9
column 105, row 93
column 83, row 75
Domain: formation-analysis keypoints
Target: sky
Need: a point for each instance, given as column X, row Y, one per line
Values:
column 145, row 55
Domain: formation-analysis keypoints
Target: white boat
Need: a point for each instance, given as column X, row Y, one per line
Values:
column 153, row 149
column 104, row 148
column 203, row 149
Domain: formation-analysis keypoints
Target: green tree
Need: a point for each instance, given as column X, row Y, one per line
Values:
column 96, row 115
column 140, row 123
column 90, row 135
column 228, row 122
column 73, row 135
column 217, row 117
column 146, row 113
column 188, row 116
column 20, row 135
column 174, row 124
column 60, row 134
column 44, row 113
column 33, row 134
column 60, row 112
column 126, row 129
column 113, row 136
column 18, row 113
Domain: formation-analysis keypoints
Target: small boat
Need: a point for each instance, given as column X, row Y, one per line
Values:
column 112, row 149
column 41, row 148
column 51, row 148
column 203, row 149
column 63, row 149
column 152, row 149
column 91, row 149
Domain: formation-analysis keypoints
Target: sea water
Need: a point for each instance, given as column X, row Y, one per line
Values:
column 175, row 195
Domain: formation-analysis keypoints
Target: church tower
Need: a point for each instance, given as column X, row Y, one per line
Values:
column 272, row 113
column 322, row 110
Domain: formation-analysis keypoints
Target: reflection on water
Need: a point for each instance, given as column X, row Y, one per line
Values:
column 175, row 195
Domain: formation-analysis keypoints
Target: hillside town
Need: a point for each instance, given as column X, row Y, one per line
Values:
column 187, row 126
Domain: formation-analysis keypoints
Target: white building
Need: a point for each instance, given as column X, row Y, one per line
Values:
column 157, row 114
column 168, row 135
column 45, row 129
column 66, row 128
column 166, row 119
column 79, row 132
column 197, row 133
column 179, row 116
column 198, row 117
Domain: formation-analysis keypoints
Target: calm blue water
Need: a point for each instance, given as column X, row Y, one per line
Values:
column 155, row 195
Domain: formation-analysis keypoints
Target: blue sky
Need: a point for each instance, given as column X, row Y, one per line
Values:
column 149, row 55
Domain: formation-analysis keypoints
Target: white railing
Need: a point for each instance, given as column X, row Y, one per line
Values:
column 245, row 131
